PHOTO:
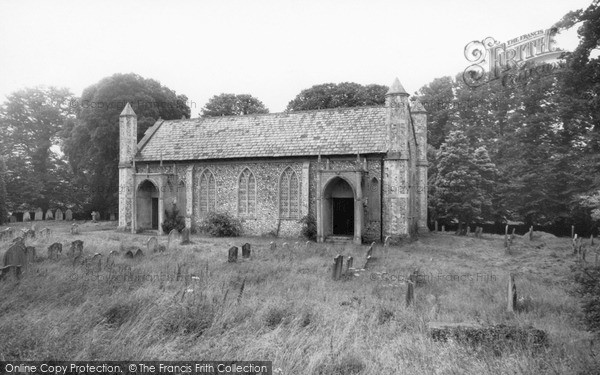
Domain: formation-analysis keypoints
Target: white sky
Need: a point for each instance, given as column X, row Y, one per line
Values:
column 269, row 49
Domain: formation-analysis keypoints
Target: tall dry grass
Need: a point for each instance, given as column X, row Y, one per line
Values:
column 190, row 304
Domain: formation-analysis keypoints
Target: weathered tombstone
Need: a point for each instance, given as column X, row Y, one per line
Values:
column 28, row 233
column 246, row 250
column 367, row 262
column 68, row 215
column 574, row 244
column 129, row 254
column 285, row 246
column 16, row 255
column 173, row 236
column 45, row 232
column 436, row 225
column 511, row 293
column 307, row 245
column 531, row 233
column 443, row 228
column 349, row 263
column 49, row 215
column 386, row 243
column 138, row 253
column 513, row 236
column 54, row 250
column 185, row 236
column 74, row 228
column 30, row 251
column 572, row 231
column 468, row 230
column 12, row 219
column 39, row 214
column 152, row 245
column 233, row 254
column 338, row 263
column 370, row 250
column 113, row 217
column 273, row 246
column 162, row 248
column 110, row 260
column 26, row 216
column 297, row 244
column 410, row 292
column 96, row 262
column 583, row 252
column 58, row 215
column 76, row 248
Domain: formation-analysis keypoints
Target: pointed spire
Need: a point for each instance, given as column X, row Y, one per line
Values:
column 416, row 106
column 127, row 111
column 396, row 88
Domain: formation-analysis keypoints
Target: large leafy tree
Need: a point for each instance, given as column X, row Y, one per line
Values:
column 31, row 122
column 438, row 99
column 464, row 181
column 332, row 95
column 92, row 143
column 233, row 105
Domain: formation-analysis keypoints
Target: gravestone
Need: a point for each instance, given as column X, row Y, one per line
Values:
column 233, row 254
column 95, row 216
column 273, row 246
column 28, row 233
column 113, row 217
column 152, row 245
column 30, row 251
column 285, row 246
column 138, row 253
column 39, row 214
column 12, row 219
column 436, row 226
column 338, row 262
column 443, row 228
column 110, row 261
column 246, row 250
column 161, row 248
column 410, row 292
column 16, row 255
column 367, row 262
column 10, row 271
column 297, row 245
column 74, row 228
column 387, row 241
column 26, row 216
column 76, row 248
column 349, row 265
column 129, row 254
column 173, row 236
column 58, row 215
column 370, row 250
column 45, row 232
column 68, row 215
column 511, row 294
column 185, row 236
column 49, row 215
column 96, row 262
column 307, row 245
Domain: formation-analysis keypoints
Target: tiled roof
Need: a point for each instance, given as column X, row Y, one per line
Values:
column 328, row 132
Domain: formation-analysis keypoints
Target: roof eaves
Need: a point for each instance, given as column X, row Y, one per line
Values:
column 149, row 133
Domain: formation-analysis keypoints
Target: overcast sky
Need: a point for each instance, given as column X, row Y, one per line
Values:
column 269, row 49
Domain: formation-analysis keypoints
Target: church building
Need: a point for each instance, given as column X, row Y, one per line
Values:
column 360, row 171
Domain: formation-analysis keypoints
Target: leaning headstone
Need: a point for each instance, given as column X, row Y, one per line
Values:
column 367, row 262
column 152, row 245
column 386, row 243
column 410, row 292
column 68, row 215
column 185, row 236
column 49, row 215
column 349, row 263
column 511, row 294
column 39, row 214
column 273, row 246
column 12, row 219
column 233, row 254
column 26, row 216
column 246, row 250
column 74, row 228
column 370, row 251
column 16, row 255
column 58, row 215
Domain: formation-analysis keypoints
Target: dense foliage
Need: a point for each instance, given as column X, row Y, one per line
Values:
column 221, row 225
column 331, row 95
column 233, row 105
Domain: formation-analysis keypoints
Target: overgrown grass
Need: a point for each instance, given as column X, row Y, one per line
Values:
column 289, row 311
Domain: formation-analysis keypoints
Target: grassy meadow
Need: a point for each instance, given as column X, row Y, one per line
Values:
column 283, row 307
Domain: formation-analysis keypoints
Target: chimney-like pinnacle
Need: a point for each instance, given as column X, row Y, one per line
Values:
column 127, row 111
column 396, row 88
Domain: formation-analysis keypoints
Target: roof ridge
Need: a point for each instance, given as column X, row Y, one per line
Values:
column 282, row 113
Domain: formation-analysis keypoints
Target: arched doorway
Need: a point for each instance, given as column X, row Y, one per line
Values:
column 338, row 208
column 147, row 206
